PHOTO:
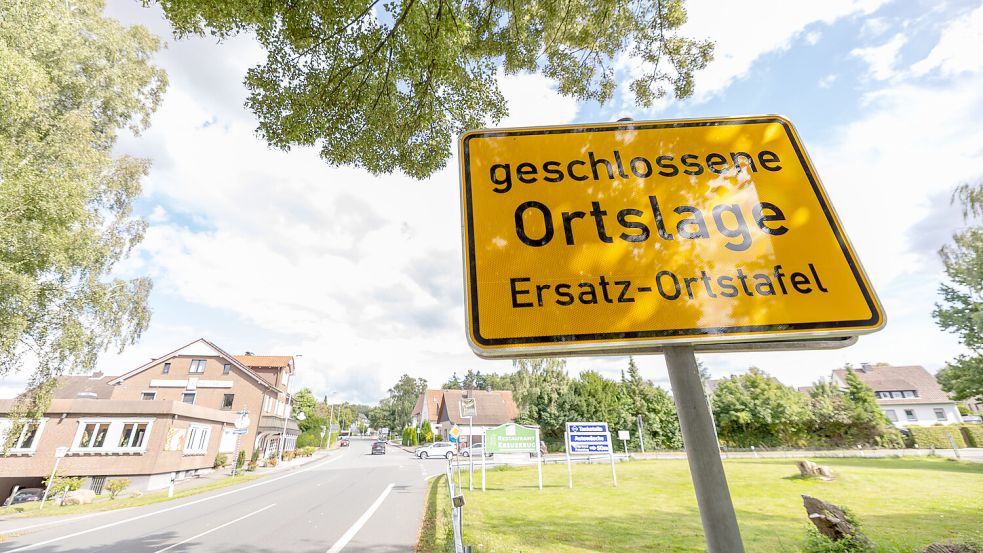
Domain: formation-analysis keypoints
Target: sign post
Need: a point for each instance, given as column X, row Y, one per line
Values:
column 674, row 237
column 514, row 438
column 241, row 427
column 624, row 437
column 469, row 409
column 590, row 438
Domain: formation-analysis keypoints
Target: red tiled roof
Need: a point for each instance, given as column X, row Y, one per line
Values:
column 494, row 407
column 433, row 398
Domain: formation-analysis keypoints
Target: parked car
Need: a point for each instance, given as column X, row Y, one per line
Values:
column 476, row 450
column 379, row 447
column 343, row 442
column 437, row 449
column 24, row 495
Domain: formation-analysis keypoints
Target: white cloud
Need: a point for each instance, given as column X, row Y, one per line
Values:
column 828, row 80
column 813, row 37
column 882, row 59
column 958, row 50
column 740, row 45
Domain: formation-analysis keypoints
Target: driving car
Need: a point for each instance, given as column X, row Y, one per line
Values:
column 437, row 449
column 476, row 450
column 24, row 495
column 343, row 442
column 379, row 447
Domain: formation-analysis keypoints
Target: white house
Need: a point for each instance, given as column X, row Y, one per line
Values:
column 908, row 396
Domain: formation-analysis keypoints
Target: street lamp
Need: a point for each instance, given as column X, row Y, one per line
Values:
column 59, row 453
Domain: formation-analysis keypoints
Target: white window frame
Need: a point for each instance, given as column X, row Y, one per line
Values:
column 940, row 411
column 145, row 392
column 910, row 414
column 196, row 442
column 146, row 436
column 908, row 394
column 201, row 363
column 227, row 368
column 891, row 415
column 193, row 399
column 6, row 424
column 113, row 434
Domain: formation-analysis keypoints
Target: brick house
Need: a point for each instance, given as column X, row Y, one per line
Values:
column 168, row 418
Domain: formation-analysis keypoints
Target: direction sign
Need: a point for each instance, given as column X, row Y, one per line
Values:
column 240, row 431
column 588, row 437
column 454, row 434
column 469, row 407
column 510, row 438
column 623, row 435
column 632, row 235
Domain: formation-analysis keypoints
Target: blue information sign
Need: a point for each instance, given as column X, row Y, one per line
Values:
column 588, row 437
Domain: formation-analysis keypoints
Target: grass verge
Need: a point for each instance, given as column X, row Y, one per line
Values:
column 904, row 505
column 149, row 498
column 436, row 534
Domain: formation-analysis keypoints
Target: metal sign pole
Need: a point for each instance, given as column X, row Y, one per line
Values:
column 614, row 473
column 566, row 443
column 641, row 435
column 539, row 460
column 471, row 453
column 703, row 452
column 484, row 455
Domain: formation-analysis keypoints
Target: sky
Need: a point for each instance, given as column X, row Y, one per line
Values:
column 361, row 276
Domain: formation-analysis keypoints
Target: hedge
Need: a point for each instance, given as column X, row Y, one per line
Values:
column 973, row 434
column 936, row 436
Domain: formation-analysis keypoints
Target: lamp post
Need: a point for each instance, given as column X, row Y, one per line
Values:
column 59, row 453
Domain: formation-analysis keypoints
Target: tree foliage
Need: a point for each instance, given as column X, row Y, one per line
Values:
column 755, row 409
column 388, row 86
column 961, row 308
column 72, row 79
column 395, row 411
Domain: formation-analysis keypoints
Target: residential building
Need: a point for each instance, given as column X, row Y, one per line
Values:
column 167, row 418
column 427, row 408
column 493, row 408
column 908, row 395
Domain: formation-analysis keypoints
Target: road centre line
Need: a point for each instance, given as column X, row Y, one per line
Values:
column 347, row 536
column 216, row 528
column 174, row 508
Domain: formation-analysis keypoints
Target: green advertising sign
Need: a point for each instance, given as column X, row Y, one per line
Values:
column 510, row 438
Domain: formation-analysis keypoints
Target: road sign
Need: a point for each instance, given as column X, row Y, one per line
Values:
column 623, row 435
column 454, row 434
column 588, row 437
column 469, row 407
column 510, row 438
column 627, row 236
column 334, row 428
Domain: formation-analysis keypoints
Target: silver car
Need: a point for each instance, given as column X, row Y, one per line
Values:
column 437, row 449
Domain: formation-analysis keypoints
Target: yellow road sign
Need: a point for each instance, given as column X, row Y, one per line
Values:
column 624, row 236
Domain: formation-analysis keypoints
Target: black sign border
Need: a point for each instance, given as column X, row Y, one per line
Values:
column 873, row 321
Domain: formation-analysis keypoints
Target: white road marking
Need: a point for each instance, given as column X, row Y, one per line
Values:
column 61, row 521
column 183, row 505
column 216, row 528
column 347, row 537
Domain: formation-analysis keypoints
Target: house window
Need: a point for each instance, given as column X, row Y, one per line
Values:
column 149, row 396
column 197, row 366
column 188, row 397
column 940, row 414
column 133, row 434
column 909, row 393
column 197, row 442
column 93, row 435
column 167, row 368
column 891, row 415
column 226, row 368
column 896, row 395
column 910, row 414
column 27, row 440
column 227, row 402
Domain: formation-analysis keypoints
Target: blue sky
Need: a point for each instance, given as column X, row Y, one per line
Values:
column 278, row 253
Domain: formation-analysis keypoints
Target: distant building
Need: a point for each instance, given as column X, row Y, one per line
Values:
column 427, row 408
column 908, row 395
column 164, row 420
column 494, row 408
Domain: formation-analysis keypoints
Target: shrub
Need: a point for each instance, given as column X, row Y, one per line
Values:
column 241, row 459
column 116, row 487
column 59, row 483
column 410, row 437
column 220, row 461
column 963, row 410
column 308, row 439
column 972, row 434
column 426, row 432
column 272, row 461
column 890, row 439
column 936, row 436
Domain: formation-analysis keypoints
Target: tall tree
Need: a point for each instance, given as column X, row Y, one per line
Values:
column 961, row 309
column 72, row 79
column 755, row 409
column 388, row 86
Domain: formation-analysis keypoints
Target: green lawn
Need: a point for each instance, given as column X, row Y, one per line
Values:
column 904, row 504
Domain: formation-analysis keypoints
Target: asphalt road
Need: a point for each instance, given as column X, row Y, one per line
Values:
column 350, row 502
